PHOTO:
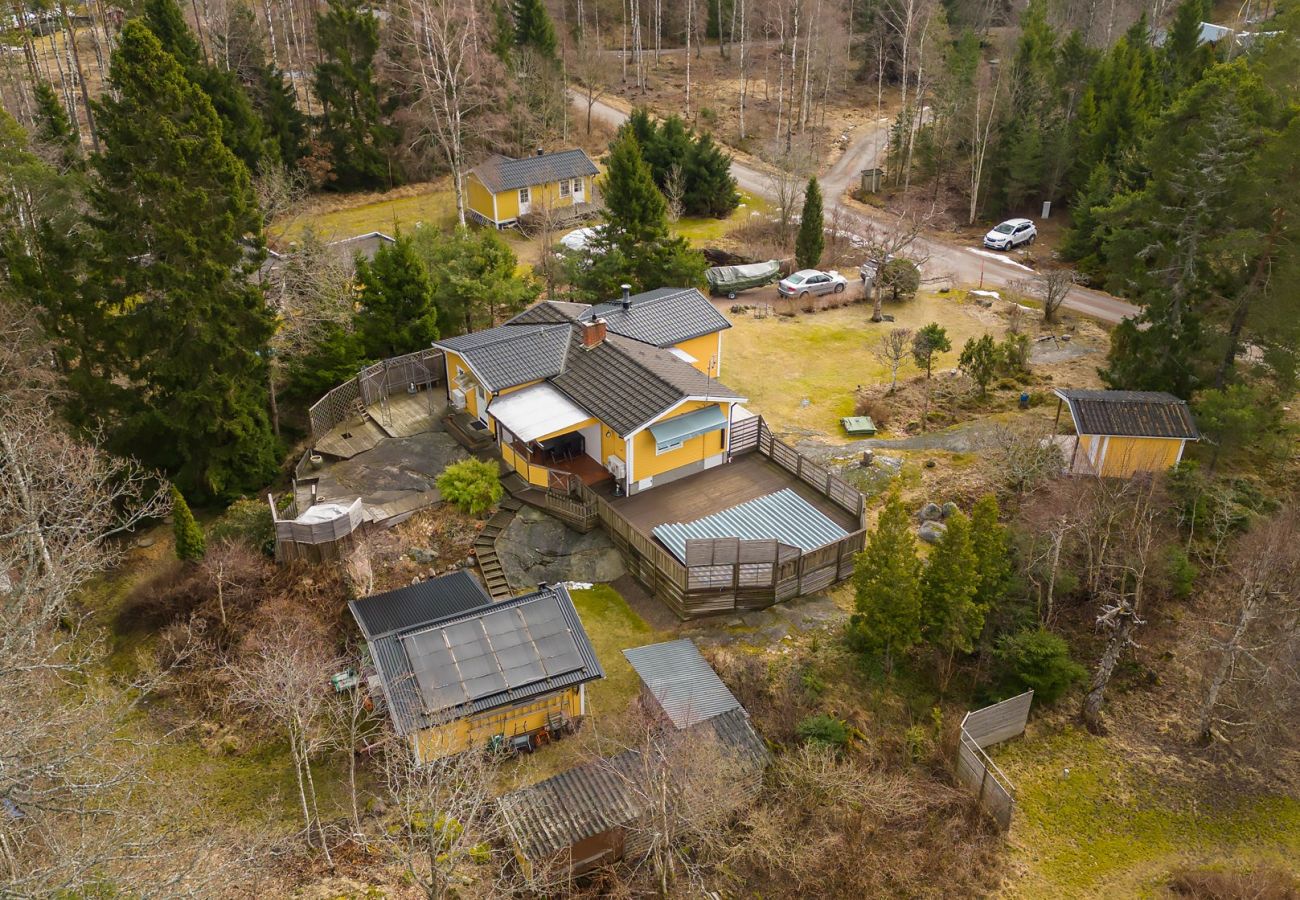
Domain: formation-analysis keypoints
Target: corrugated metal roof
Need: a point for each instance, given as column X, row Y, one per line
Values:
column 500, row 173
column 512, row 654
column 663, row 317
column 536, row 411
column 1130, row 413
column 682, row 681
column 783, row 516
column 416, row 604
column 548, row 818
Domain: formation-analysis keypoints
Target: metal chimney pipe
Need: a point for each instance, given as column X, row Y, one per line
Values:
column 627, row 297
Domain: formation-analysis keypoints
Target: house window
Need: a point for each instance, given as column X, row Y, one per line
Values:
column 669, row 446
column 523, row 195
column 564, row 188
column 577, row 185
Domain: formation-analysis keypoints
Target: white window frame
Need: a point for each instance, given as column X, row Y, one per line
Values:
column 661, row 449
column 564, row 187
column 577, row 186
column 523, row 195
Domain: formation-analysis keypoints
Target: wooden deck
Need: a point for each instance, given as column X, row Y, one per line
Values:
column 408, row 414
column 348, row 438
column 713, row 490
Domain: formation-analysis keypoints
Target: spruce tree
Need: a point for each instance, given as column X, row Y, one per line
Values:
column 352, row 121
column 887, row 585
column 635, row 208
column 475, row 277
column 534, row 28
column 54, row 128
column 929, row 340
column 241, row 127
column 397, row 313
column 992, row 546
column 1185, row 56
column 189, row 540
column 710, row 188
column 176, row 367
column 811, row 239
column 979, row 360
column 951, row 620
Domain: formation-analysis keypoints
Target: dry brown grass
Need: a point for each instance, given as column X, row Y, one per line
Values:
column 1255, row 884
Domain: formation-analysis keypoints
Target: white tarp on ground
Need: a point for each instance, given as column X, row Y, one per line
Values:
column 536, row 411
column 581, row 238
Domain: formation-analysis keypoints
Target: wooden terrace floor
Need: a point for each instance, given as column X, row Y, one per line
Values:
column 713, row 490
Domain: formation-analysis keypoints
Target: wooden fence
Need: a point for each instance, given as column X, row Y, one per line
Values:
column 372, row 387
column 726, row 574
column 316, row 541
column 983, row 728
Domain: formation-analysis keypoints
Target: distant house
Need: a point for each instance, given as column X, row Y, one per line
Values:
column 625, row 390
column 500, row 190
column 458, row 672
column 588, row 816
column 1120, row 433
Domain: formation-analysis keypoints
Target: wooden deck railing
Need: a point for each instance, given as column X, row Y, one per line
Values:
column 726, row 574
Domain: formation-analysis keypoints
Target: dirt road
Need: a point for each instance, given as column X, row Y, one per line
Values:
column 962, row 265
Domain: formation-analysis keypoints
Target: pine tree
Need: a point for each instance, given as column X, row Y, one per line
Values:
column 992, row 546
column 534, row 28
column 55, row 129
column 887, row 585
column 929, row 340
column 979, row 360
column 190, row 543
column 241, row 127
column 351, row 99
column 474, row 276
column 397, row 313
column 174, row 366
column 951, row 620
column 811, row 239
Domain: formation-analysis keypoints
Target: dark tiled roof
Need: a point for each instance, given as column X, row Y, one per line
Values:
column 662, row 317
column 500, row 173
column 551, row 816
column 418, row 603
column 512, row 354
column 410, row 700
column 626, row 384
column 550, row 312
column 1130, row 413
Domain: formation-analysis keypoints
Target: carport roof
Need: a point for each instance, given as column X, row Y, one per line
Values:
column 782, row 516
column 535, row 411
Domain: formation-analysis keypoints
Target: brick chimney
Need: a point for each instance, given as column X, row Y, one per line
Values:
column 593, row 333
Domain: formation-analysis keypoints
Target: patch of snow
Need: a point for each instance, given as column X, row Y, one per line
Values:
column 994, row 294
column 1000, row 258
column 578, row 585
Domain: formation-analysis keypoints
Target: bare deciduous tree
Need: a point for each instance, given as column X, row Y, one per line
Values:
column 1021, row 458
column 893, row 351
column 883, row 244
column 1050, row 287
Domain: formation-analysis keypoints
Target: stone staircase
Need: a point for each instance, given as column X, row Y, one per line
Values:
column 485, row 550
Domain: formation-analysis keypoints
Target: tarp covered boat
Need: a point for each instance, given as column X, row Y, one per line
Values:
column 730, row 279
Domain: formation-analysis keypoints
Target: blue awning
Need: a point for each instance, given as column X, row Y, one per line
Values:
column 693, row 424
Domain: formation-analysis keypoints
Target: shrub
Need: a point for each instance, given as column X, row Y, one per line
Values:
column 917, row 741
column 1180, row 572
column 1035, row 658
column 247, row 522
column 473, row 485
column 190, row 543
column 873, row 407
column 1257, row 884
column 1014, row 353
column 824, row 729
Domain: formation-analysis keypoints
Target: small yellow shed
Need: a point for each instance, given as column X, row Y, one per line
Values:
column 500, row 191
column 1122, row 433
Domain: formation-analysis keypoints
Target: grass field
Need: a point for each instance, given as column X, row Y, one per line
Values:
column 777, row 361
column 1114, row 826
column 347, row 216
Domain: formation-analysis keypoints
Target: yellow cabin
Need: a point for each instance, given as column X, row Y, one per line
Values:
column 500, row 191
column 626, row 390
column 1121, row 433
column 458, row 672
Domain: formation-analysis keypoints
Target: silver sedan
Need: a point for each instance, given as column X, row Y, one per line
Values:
column 812, row 281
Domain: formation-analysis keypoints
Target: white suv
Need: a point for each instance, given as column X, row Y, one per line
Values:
column 1011, row 234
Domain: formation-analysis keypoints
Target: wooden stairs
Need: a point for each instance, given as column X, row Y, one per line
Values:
column 485, row 550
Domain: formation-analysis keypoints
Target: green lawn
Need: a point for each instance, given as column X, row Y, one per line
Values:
column 1115, row 826
column 432, row 203
column 612, row 626
column 703, row 230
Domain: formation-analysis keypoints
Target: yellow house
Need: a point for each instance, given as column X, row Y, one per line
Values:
column 499, row 191
column 1122, row 433
column 458, row 672
column 626, row 390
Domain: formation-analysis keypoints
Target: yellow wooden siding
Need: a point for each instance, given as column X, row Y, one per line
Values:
column 479, row 197
column 705, row 349
column 647, row 463
column 538, row 195
column 474, row 732
column 611, row 445
column 1126, row 455
column 455, row 367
